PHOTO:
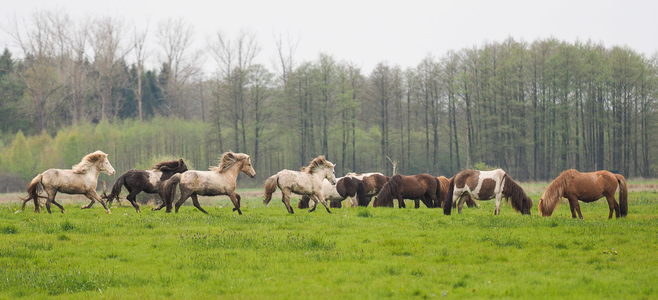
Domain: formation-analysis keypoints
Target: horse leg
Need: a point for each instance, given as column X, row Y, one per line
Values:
column 401, row 203
column 499, row 199
column 90, row 203
column 313, row 206
column 355, row 202
column 57, row 204
column 183, row 197
column 51, row 197
column 613, row 206
column 460, row 203
column 416, row 203
column 286, row 200
column 92, row 195
column 163, row 204
column 575, row 207
column 132, row 198
column 195, row 201
column 235, row 198
column 321, row 199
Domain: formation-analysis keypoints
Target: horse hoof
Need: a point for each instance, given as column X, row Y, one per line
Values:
column 108, row 212
column 63, row 211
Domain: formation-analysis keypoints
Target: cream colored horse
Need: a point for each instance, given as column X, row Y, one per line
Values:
column 81, row 179
column 220, row 180
column 306, row 182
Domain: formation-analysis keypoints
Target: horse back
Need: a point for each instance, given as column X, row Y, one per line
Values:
column 591, row 186
column 66, row 181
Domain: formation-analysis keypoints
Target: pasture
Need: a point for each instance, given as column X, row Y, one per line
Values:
column 354, row 253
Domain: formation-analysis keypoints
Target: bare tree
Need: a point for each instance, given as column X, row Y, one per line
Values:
column 175, row 38
column 139, row 49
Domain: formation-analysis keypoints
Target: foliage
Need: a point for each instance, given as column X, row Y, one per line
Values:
column 363, row 253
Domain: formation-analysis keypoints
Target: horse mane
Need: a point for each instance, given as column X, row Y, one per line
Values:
column 551, row 197
column 317, row 163
column 228, row 159
column 389, row 191
column 172, row 165
column 512, row 190
column 88, row 161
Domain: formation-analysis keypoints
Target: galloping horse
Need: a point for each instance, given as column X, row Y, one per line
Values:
column 586, row 187
column 486, row 185
column 148, row 181
column 345, row 187
column 306, row 182
column 81, row 179
column 372, row 183
column 220, row 180
column 422, row 186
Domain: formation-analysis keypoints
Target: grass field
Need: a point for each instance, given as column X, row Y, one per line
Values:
column 361, row 253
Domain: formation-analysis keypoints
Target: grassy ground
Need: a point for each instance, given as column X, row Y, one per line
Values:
column 363, row 253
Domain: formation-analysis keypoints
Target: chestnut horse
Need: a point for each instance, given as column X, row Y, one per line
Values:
column 306, row 182
column 586, row 187
column 220, row 180
column 422, row 186
column 486, row 185
column 81, row 179
column 335, row 194
column 148, row 181
column 372, row 183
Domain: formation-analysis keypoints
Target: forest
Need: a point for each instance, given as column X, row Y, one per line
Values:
column 532, row 108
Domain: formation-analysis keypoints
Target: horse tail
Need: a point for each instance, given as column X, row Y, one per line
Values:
column 361, row 193
column 33, row 193
column 447, row 205
column 270, row 188
column 623, row 195
column 116, row 189
column 169, row 188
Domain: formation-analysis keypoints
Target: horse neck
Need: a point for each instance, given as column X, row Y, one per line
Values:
column 234, row 170
column 93, row 172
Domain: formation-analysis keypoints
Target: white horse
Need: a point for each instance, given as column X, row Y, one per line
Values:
column 486, row 185
column 307, row 182
column 220, row 180
column 81, row 179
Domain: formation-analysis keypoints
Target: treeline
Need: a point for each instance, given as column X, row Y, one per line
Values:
column 533, row 109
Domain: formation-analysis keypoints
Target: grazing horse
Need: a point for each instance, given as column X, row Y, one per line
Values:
column 345, row 187
column 422, row 186
column 148, row 181
column 445, row 187
column 486, row 185
column 586, row 187
column 220, row 180
column 81, row 179
column 307, row 182
column 372, row 183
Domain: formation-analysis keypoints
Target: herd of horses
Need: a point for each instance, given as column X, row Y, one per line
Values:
column 317, row 183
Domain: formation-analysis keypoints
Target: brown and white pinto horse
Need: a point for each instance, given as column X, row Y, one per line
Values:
column 586, row 187
column 422, row 186
column 81, row 179
column 444, row 182
column 220, row 180
column 486, row 185
column 372, row 183
column 306, row 182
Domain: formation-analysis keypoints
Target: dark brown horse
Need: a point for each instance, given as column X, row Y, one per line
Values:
column 148, row 181
column 372, row 183
column 586, row 187
column 335, row 194
column 422, row 186
column 486, row 185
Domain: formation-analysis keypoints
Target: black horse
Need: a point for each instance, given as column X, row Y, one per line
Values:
column 148, row 181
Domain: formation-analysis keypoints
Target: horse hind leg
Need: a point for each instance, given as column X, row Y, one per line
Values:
column 286, row 200
column 612, row 204
column 195, row 201
column 184, row 194
column 462, row 199
column 61, row 208
column 50, row 199
column 132, row 198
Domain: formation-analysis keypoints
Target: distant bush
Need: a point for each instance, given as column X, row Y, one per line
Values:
column 12, row 183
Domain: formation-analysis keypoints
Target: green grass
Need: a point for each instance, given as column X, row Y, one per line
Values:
column 364, row 253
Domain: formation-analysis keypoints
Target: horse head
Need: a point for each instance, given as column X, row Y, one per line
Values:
column 182, row 167
column 248, row 168
column 330, row 173
column 527, row 205
column 106, row 167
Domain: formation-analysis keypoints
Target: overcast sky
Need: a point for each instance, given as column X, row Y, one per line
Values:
column 367, row 32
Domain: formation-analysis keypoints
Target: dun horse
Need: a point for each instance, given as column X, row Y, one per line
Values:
column 422, row 186
column 372, row 183
column 307, row 182
column 220, row 180
column 148, row 181
column 335, row 194
column 586, row 187
column 486, row 185
column 81, row 179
